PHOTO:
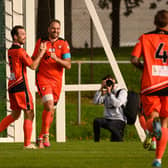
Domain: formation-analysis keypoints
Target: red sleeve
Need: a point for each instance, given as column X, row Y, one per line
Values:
column 66, row 48
column 138, row 49
column 36, row 49
column 25, row 58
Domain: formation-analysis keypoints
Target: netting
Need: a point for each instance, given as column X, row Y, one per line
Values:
column 2, row 63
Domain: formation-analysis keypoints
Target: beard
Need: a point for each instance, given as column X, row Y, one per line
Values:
column 54, row 35
column 21, row 41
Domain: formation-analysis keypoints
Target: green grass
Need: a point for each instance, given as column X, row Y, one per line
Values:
column 82, row 154
column 123, row 53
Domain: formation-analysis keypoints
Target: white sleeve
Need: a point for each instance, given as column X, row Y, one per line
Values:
column 120, row 100
column 98, row 98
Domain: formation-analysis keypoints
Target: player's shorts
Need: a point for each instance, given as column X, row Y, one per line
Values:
column 155, row 103
column 50, row 91
column 21, row 100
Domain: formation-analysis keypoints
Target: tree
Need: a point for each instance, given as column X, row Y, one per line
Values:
column 115, row 15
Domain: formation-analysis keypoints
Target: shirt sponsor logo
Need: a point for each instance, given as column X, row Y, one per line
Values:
column 12, row 76
column 159, row 70
column 51, row 49
column 59, row 46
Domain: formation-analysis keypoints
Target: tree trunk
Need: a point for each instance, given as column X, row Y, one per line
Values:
column 116, row 23
column 68, row 22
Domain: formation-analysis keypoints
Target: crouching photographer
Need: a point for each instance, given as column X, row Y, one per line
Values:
column 114, row 119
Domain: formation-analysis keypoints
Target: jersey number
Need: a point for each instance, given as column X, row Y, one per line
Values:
column 160, row 55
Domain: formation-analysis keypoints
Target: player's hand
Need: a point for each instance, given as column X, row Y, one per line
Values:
column 43, row 47
column 53, row 56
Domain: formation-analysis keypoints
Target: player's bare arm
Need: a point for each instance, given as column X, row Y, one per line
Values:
column 40, row 54
column 66, row 63
column 135, row 61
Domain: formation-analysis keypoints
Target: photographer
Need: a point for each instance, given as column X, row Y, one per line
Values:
column 114, row 119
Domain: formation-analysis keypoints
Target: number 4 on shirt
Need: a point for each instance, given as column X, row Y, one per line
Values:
column 161, row 55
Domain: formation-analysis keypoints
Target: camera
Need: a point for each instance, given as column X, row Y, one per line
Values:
column 109, row 83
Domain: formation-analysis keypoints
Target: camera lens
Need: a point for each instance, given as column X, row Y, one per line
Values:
column 109, row 83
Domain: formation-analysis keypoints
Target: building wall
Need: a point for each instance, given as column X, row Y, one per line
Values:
column 131, row 27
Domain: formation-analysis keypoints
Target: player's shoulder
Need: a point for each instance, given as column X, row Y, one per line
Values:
column 15, row 46
column 157, row 31
column 16, row 49
column 62, row 40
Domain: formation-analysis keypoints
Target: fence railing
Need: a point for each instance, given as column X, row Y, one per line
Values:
column 86, row 87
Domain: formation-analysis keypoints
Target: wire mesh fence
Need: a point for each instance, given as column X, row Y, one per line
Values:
column 2, row 64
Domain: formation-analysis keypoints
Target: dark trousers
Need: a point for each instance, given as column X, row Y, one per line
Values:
column 116, row 127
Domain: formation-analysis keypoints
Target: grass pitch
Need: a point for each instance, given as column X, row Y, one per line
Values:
column 78, row 154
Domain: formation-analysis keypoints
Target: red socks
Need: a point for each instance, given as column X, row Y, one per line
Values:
column 27, row 127
column 161, row 144
column 6, row 122
column 46, row 120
